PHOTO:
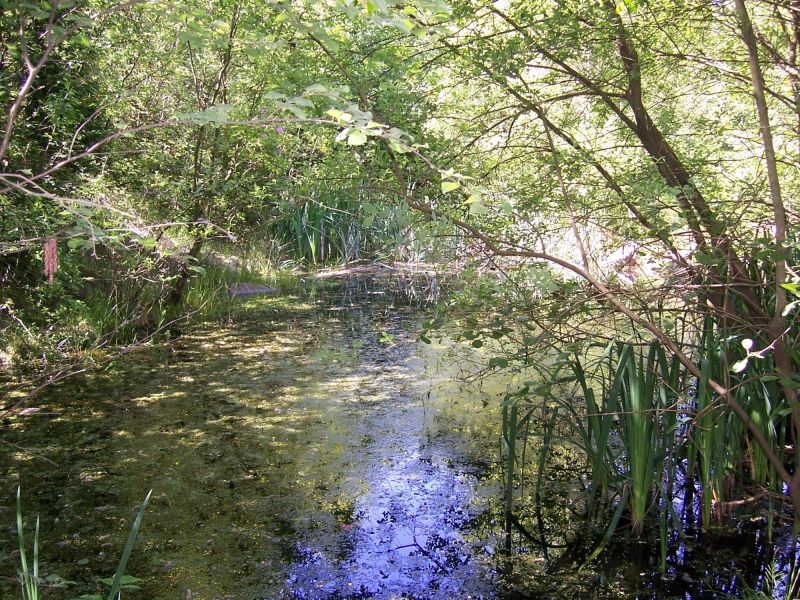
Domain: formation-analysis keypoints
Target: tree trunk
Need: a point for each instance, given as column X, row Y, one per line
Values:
column 176, row 297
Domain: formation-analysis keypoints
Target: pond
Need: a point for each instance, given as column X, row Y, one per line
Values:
column 302, row 450
column 308, row 447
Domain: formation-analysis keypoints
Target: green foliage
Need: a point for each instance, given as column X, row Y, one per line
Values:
column 641, row 423
column 120, row 580
column 527, row 146
column 636, row 406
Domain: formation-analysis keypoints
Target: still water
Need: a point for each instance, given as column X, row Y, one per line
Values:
column 309, row 447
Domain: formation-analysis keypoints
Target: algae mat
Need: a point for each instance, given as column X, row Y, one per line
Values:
column 301, row 450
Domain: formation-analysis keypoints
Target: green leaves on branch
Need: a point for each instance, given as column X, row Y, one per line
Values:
column 476, row 207
column 219, row 114
column 359, row 126
column 498, row 362
column 297, row 105
column 793, row 288
column 356, row 137
column 341, row 116
column 422, row 18
column 629, row 6
column 452, row 181
column 301, row 106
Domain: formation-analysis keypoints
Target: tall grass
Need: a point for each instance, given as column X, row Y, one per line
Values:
column 509, row 433
column 29, row 577
column 514, row 428
column 638, row 430
column 646, row 427
column 725, row 453
column 710, row 431
column 656, row 439
column 316, row 233
column 335, row 227
column 595, row 435
column 126, row 552
column 628, row 427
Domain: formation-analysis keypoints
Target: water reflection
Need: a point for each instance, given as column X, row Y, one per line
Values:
column 734, row 559
column 319, row 452
column 416, row 495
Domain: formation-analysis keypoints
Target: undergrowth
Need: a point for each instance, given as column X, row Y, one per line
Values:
column 113, row 298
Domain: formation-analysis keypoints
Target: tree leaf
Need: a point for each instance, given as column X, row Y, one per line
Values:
column 792, row 287
column 316, row 88
column 706, row 259
column 477, row 209
column 740, row 365
column 399, row 147
column 790, row 307
column 357, row 138
column 449, row 186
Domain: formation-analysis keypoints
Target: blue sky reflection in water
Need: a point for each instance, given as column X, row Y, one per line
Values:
column 417, row 500
column 416, row 492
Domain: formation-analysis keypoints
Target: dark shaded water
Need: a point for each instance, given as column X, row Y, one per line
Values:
column 311, row 448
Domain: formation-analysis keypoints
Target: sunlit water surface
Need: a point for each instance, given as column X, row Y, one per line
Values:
column 312, row 448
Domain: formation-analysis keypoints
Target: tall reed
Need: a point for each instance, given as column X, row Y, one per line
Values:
column 594, row 437
column 628, row 431
column 29, row 578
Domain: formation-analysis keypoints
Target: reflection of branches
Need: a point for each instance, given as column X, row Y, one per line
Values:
column 426, row 553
